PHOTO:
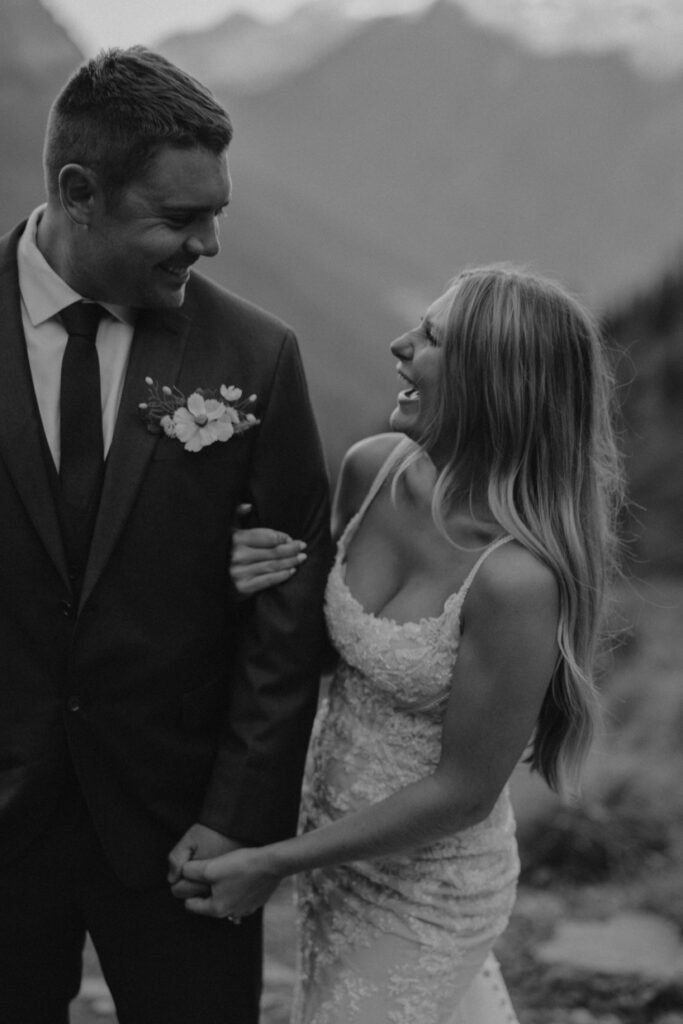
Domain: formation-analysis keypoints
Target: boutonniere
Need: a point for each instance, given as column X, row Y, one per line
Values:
column 201, row 418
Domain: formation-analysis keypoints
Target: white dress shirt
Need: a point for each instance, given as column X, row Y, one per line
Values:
column 43, row 295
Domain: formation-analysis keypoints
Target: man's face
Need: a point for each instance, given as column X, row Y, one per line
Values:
column 138, row 250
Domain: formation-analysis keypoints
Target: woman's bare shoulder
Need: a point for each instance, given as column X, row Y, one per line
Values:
column 360, row 466
column 512, row 576
column 364, row 459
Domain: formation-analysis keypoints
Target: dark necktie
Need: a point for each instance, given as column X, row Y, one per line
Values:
column 81, row 464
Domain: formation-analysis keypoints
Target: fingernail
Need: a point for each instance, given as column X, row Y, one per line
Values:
column 301, row 558
column 302, row 545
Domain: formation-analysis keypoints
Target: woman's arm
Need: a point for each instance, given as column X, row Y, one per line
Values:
column 263, row 558
column 506, row 657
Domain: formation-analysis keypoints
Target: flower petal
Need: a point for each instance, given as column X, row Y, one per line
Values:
column 196, row 404
column 214, row 409
column 184, row 423
column 223, row 429
column 194, row 444
column 207, row 435
column 231, row 394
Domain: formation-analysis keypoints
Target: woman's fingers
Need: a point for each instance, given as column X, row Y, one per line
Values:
column 279, row 563
column 263, row 558
column 260, row 537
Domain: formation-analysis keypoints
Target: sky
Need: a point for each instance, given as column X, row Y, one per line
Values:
column 650, row 30
column 97, row 23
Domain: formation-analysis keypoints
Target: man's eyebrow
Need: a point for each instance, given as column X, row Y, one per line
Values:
column 170, row 207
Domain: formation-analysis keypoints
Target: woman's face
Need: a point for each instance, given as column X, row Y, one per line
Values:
column 420, row 355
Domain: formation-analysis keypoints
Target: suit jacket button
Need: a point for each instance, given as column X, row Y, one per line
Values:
column 73, row 703
column 67, row 609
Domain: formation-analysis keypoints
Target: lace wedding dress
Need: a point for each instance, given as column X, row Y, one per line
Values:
column 402, row 939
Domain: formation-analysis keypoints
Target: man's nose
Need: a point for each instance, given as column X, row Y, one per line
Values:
column 204, row 240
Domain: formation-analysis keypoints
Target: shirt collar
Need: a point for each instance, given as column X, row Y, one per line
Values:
column 44, row 292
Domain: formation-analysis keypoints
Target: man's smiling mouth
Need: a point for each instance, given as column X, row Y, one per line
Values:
column 178, row 270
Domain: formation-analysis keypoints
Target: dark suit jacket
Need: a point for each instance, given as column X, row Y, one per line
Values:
column 173, row 702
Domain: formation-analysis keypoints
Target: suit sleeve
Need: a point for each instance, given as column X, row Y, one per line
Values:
column 255, row 788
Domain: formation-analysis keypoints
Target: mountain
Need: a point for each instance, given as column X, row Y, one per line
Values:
column 251, row 55
column 449, row 142
column 363, row 182
column 36, row 56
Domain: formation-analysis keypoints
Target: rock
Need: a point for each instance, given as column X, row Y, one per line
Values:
column 628, row 943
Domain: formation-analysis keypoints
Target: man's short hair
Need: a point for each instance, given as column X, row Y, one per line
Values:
column 118, row 109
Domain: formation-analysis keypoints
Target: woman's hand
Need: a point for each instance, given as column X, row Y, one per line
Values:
column 262, row 558
column 240, row 883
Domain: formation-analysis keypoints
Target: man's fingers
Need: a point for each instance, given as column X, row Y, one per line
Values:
column 183, row 889
column 201, row 905
column 176, row 859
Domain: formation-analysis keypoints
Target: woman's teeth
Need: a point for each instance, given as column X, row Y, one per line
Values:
column 410, row 394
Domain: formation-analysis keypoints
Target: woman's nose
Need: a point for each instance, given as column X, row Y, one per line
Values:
column 403, row 347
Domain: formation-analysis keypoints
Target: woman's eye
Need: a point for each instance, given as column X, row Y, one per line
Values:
column 429, row 333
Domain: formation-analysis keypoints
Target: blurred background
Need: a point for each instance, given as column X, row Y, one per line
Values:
column 380, row 147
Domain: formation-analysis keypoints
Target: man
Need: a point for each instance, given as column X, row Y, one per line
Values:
column 146, row 717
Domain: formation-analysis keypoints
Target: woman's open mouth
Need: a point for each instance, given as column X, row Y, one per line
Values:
column 411, row 393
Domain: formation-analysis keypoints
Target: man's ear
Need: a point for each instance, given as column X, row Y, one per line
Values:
column 78, row 191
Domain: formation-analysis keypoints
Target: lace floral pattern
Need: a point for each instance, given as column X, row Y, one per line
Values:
column 397, row 939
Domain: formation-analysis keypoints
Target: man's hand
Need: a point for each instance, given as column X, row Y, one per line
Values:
column 198, row 843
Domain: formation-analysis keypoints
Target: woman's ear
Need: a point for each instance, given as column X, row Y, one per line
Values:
column 78, row 188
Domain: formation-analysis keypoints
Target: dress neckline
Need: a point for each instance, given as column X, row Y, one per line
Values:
column 454, row 599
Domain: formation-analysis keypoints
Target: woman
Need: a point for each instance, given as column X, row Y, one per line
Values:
column 464, row 605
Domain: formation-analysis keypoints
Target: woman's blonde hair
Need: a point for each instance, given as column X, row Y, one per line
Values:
column 525, row 411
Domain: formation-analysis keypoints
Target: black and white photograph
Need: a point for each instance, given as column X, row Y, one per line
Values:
column 341, row 512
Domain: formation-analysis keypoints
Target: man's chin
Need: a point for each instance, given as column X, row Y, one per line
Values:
column 166, row 298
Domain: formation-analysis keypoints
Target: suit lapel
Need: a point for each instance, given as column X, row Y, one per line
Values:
column 157, row 352
column 22, row 440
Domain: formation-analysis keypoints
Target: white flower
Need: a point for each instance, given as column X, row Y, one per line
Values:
column 199, row 420
column 202, row 422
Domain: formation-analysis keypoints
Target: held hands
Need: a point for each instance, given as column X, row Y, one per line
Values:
column 262, row 558
column 201, row 842
column 236, row 884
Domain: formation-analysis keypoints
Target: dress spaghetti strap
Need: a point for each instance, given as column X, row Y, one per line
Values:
column 462, row 593
column 392, row 460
